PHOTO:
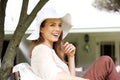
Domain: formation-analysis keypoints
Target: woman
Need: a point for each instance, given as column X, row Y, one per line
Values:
column 48, row 51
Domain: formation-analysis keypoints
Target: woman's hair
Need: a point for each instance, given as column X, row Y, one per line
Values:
column 57, row 46
column 38, row 41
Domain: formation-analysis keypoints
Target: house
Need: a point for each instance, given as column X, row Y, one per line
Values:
column 102, row 38
column 99, row 43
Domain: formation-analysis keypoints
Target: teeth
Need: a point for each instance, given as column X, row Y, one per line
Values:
column 55, row 34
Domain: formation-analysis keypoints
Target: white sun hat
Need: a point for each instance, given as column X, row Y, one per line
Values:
column 46, row 13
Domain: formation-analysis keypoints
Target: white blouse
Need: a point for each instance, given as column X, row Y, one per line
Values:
column 46, row 64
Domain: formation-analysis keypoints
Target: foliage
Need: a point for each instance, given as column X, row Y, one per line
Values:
column 110, row 5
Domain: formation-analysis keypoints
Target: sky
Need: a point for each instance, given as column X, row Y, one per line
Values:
column 85, row 18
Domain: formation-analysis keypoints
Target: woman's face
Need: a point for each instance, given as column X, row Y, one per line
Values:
column 52, row 29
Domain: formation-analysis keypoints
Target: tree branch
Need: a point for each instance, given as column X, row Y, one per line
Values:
column 23, row 14
column 24, row 23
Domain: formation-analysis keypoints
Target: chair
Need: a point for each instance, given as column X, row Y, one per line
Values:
column 15, row 76
column 23, row 71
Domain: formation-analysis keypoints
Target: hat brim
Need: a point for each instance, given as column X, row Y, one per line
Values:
column 66, row 23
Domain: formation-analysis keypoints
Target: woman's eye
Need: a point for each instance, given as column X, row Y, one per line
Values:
column 60, row 25
column 52, row 25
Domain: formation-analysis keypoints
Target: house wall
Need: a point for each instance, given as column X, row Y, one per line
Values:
column 84, row 58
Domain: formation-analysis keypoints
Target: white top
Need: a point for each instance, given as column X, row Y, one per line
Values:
column 46, row 64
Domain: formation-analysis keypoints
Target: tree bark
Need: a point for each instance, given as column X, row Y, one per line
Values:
column 2, row 19
column 24, row 22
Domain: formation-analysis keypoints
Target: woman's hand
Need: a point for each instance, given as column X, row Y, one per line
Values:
column 69, row 49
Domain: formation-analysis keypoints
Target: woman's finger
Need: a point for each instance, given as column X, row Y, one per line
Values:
column 69, row 48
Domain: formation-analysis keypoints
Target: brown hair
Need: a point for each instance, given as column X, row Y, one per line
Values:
column 57, row 46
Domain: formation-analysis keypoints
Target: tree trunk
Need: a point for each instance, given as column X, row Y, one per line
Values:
column 2, row 19
column 24, row 22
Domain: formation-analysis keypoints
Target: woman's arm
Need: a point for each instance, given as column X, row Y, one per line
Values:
column 69, row 50
column 71, row 65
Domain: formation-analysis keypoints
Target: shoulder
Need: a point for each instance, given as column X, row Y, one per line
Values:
column 41, row 47
column 41, row 50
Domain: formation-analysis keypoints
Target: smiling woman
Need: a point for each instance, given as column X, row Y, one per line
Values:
column 48, row 51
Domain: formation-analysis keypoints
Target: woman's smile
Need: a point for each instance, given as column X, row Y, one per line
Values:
column 56, row 35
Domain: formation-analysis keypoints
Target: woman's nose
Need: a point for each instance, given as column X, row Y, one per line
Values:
column 58, row 28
